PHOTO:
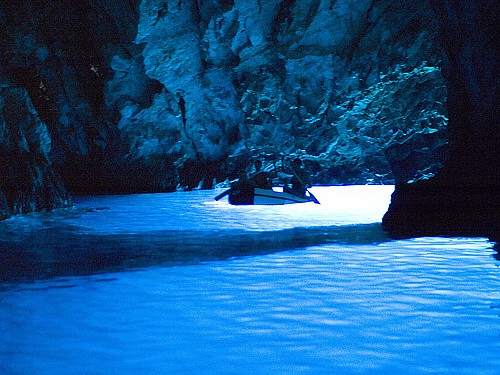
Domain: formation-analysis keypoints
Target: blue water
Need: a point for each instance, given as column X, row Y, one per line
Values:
column 180, row 284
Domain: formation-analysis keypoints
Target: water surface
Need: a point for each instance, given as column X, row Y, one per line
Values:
column 179, row 283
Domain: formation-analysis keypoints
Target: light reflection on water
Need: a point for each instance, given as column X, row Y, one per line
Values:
column 198, row 210
column 319, row 297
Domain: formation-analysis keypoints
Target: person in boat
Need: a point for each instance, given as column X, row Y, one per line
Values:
column 260, row 178
column 300, row 180
column 242, row 181
column 241, row 191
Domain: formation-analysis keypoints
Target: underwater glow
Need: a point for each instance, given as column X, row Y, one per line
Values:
column 179, row 283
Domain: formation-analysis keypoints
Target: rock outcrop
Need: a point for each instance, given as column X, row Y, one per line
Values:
column 28, row 181
column 464, row 197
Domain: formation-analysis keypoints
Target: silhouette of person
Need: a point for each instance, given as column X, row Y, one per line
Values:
column 300, row 180
column 260, row 178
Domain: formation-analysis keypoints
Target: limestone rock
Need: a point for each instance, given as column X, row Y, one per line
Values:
column 335, row 82
column 28, row 181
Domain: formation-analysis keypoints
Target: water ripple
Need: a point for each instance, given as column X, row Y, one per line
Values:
column 326, row 298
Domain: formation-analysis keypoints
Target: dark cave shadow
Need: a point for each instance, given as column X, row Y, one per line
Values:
column 67, row 251
column 64, row 250
column 496, row 247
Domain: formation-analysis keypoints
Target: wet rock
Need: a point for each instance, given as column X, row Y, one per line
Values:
column 28, row 181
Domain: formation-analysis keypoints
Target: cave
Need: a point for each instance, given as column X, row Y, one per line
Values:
column 106, row 92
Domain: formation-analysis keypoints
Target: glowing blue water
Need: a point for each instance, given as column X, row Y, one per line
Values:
column 179, row 283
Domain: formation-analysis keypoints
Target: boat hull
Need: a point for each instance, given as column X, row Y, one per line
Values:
column 257, row 196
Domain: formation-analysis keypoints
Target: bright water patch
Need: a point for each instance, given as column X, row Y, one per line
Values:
column 199, row 211
column 319, row 290
column 110, row 233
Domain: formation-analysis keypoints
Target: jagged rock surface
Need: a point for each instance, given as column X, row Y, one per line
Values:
column 335, row 82
column 27, row 180
column 156, row 95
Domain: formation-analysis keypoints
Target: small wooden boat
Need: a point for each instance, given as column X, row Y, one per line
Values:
column 258, row 196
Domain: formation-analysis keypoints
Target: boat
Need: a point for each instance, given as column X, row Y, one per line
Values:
column 258, row 196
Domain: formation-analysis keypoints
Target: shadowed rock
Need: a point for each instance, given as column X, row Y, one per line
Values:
column 464, row 197
column 28, row 181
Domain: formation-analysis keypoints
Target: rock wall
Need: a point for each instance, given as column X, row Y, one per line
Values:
column 61, row 53
column 335, row 82
column 159, row 95
column 464, row 197
column 27, row 180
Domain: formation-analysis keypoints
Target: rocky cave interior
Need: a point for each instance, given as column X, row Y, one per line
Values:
column 125, row 96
